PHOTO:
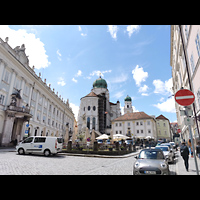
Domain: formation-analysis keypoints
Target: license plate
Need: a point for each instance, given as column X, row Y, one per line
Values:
column 150, row 172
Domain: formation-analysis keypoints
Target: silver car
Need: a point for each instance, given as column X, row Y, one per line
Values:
column 151, row 162
column 167, row 153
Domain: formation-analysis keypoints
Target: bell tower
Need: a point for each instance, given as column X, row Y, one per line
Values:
column 128, row 105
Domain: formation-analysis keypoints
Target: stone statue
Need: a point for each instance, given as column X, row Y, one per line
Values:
column 13, row 101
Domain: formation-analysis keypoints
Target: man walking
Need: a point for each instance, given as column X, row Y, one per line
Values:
column 185, row 154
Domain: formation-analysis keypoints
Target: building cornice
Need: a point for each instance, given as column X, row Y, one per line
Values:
column 171, row 44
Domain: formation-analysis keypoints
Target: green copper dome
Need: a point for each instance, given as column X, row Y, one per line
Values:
column 100, row 83
column 128, row 98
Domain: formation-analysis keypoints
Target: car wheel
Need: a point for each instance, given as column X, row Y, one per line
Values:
column 21, row 151
column 47, row 152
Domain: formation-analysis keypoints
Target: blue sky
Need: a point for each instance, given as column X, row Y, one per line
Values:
column 133, row 59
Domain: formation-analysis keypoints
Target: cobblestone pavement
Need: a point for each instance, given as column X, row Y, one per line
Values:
column 12, row 164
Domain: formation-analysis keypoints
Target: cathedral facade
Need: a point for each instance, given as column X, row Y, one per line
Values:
column 96, row 111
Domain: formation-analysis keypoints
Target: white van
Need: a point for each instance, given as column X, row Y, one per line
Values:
column 39, row 144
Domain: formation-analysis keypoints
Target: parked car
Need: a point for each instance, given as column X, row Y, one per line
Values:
column 171, row 148
column 174, row 145
column 151, row 162
column 39, row 145
column 167, row 153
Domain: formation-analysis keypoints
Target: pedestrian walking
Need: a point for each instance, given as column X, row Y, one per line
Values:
column 190, row 148
column 198, row 149
column 185, row 154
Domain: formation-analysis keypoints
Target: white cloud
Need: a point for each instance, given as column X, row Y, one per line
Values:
column 113, row 31
column 132, row 28
column 75, row 110
column 167, row 106
column 58, row 52
column 119, row 79
column 61, row 82
column 143, row 89
column 139, row 75
column 145, row 94
column 74, row 80
column 83, row 34
column 79, row 73
column 79, row 28
column 162, row 99
column 34, row 47
column 119, row 94
column 59, row 55
column 164, row 88
column 99, row 73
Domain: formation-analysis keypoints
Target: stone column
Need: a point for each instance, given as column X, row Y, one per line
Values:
column 7, row 131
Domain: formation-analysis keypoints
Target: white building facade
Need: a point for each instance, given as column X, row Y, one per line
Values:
column 136, row 124
column 191, row 37
column 96, row 111
column 27, row 105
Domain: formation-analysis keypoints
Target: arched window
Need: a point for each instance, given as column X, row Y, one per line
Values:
column 93, row 123
column 88, row 122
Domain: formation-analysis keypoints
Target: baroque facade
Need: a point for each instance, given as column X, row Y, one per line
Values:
column 28, row 106
column 178, row 60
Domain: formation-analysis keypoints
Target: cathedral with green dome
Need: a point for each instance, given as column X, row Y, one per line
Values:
column 96, row 111
column 100, row 83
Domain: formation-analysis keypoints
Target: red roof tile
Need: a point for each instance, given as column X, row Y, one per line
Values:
column 91, row 94
column 162, row 117
column 133, row 116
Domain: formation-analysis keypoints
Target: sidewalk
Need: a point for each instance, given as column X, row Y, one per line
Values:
column 7, row 149
column 180, row 167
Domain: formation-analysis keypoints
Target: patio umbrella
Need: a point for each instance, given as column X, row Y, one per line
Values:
column 102, row 137
column 148, row 137
column 119, row 136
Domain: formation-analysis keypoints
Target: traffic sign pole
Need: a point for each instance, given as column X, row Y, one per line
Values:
column 185, row 98
column 190, row 132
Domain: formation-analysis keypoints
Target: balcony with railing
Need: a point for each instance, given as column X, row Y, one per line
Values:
column 18, row 109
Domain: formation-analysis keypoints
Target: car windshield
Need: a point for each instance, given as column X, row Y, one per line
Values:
column 162, row 148
column 151, row 155
column 166, row 144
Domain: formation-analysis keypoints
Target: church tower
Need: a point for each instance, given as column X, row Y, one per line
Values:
column 128, row 105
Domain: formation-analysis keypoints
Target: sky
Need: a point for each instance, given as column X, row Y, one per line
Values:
column 133, row 59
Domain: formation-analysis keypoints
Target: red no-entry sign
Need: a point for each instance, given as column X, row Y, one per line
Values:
column 184, row 97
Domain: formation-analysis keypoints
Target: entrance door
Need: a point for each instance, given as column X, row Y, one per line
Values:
column 14, row 130
column 17, row 128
